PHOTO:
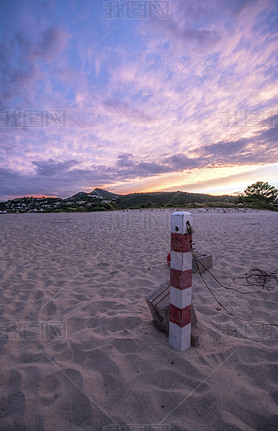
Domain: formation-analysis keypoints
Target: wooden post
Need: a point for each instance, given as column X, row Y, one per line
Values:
column 180, row 281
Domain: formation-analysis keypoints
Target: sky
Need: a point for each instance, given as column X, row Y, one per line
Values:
column 137, row 96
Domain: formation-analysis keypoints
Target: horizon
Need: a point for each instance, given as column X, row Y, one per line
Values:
column 153, row 96
column 81, row 191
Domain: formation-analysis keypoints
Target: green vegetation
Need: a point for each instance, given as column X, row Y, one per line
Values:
column 260, row 195
column 171, row 199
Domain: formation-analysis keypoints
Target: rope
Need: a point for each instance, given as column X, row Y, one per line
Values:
column 160, row 294
column 162, row 297
column 221, row 305
column 262, row 276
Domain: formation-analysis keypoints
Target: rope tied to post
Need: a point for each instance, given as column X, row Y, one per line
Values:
column 190, row 229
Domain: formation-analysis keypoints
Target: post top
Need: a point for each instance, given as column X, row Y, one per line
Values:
column 179, row 221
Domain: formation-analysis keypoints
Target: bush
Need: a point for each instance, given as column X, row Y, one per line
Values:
column 260, row 192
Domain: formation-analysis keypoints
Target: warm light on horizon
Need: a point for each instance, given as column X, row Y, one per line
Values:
column 235, row 180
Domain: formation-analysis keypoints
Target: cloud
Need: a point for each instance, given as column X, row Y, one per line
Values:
column 224, row 148
column 128, row 167
column 126, row 111
column 238, row 6
column 62, row 183
column 53, row 41
column 181, row 162
column 125, row 160
column 16, row 73
column 261, row 147
column 146, row 100
column 270, row 135
column 51, row 167
column 20, row 70
column 65, row 178
column 203, row 38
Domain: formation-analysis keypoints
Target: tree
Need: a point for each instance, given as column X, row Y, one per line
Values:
column 261, row 192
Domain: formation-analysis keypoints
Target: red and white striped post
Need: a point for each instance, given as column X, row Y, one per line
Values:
column 180, row 280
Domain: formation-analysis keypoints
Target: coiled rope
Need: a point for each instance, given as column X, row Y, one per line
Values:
column 257, row 276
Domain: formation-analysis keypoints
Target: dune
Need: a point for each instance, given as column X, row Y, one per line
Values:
column 78, row 347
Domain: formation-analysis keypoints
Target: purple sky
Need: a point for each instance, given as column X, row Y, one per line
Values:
column 137, row 96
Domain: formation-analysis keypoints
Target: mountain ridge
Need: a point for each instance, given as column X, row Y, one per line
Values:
column 101, row 193
column 177, row 198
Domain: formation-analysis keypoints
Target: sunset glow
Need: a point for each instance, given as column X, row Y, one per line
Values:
column 178, row 97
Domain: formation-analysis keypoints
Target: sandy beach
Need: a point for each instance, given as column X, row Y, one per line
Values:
column 78, row 348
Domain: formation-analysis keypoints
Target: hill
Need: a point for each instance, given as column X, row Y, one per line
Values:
column 79, row 195
column 136, row 200
column 159, row 199
column 103, row 200
column 100, row 193
column 104, row 194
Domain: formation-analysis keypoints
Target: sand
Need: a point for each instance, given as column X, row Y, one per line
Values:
column 78, row 347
